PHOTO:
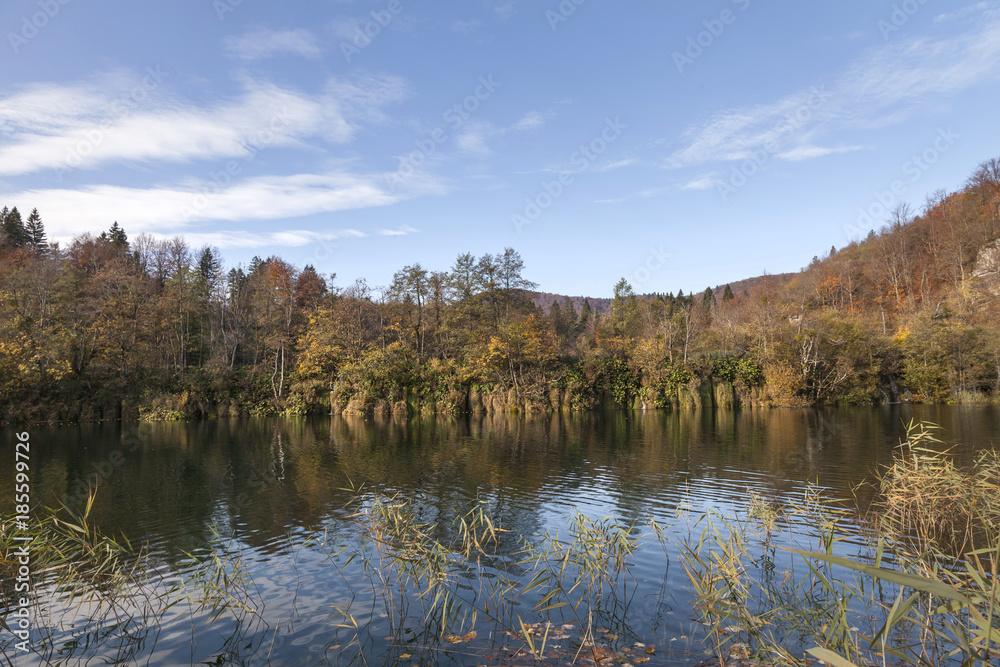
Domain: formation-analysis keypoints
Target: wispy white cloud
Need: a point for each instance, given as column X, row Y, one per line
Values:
column 465, row 27
column 702, row 183
column 473, row 138
column 291, row 238
column 618, row 164
column 261, row 44
column 965, row 12
column 642, row 194
column 345, row 28
column 800, row 153
column 530, row 121
column 403, row 230
column 49, row 126
column 73, row 211
column 503, row 8
column 885, row 86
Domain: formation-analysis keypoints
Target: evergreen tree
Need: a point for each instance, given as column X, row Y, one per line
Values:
column 209, row 265
column 36, row 231
column 555, row 316
column 727, row 295
column 15, row 233
column 118, row 237
column 585, row 315
column 569, row 314
column 708, row 298
column 624, row 309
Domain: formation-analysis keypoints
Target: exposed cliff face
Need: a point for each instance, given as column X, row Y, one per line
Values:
column 988, row 261
column 987, row 268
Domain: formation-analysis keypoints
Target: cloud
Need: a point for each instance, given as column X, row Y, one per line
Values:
column 473, row 138
column 292, row 238
column 978, row 8
column 49, row 126
column 885, row 86
column 465, row 27
column 262, row 44
column 504, row 8
column 69, row 212
column 345, row 28
column 703, row 183
column 530, row 121
column 642, row 194
column 404, row 230
column 808, row 152
column 289, row 238
column 619, row 164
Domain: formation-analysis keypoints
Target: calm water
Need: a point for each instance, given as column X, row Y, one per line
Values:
column 271, row 491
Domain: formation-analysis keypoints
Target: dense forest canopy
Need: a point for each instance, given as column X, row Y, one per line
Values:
column 110, row 326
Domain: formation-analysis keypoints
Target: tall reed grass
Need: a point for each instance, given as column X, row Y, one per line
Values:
column 925, row 594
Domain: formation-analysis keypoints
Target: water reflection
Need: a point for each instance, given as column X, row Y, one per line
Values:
column 274, row 484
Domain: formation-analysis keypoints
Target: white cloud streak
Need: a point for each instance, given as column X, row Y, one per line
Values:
column 262, row 44
column 71, row 212
column 86, row 126
column 886, row 86
column 800, row 153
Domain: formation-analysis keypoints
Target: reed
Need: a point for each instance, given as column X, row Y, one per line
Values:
column 925, row 593
column 937, row 505
column 110, row 593
column 446, row 587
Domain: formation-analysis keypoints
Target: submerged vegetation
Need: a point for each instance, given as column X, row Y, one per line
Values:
column 910, row 579
column 109, row 327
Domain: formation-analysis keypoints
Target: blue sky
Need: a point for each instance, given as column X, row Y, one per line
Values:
column 677, row 144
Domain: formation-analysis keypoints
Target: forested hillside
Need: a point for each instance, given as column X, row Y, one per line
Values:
column 113, row 327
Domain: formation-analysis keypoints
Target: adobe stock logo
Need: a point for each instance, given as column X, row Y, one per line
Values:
column 31, row 26
column 581, row 161
column 883, row 201
column 714, row 29
column 366, row 33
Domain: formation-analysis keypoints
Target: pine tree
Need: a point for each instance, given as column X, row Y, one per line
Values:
column 569, row 314
column 36, row 232
column 555, row 315
column 585, row 315
column 727, row 295
column 209, row 265
column 118, row 237
column 708, row 298
column 14, row 231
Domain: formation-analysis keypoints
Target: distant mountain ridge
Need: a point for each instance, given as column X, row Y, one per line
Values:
column 546, row 299
column 602, row 305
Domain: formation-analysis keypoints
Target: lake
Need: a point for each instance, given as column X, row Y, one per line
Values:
column 274, row 496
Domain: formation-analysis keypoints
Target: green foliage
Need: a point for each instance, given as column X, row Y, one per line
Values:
column 621, row 381
column 744, row 372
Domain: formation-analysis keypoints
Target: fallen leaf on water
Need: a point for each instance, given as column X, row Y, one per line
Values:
column 404, row 656
column 468, row 637
column 650, row 650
